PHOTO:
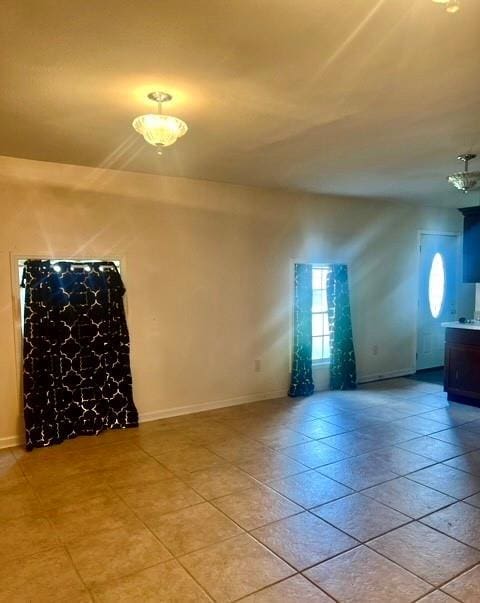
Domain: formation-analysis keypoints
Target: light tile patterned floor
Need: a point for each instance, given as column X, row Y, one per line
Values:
column 371, row 496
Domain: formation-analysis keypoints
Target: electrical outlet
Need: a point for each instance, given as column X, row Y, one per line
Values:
column 375, row 349
column 257, row 365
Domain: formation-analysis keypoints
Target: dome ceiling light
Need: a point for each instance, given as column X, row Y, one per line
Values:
column 157, row 129
column 465, row 181
column 451, row 6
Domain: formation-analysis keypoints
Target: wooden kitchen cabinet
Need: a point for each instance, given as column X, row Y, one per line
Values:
column 471, row 244
column 462, row 364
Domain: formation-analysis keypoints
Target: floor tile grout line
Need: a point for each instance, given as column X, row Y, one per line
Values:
column 403, row 512
column 381, row 555
column 465, row 500
column 420, row 520
column 162, row 543
column 390, row 479
column 179, row 560
column 259, row 526
column 77, row 571
column 364, row 542
column 433, row 592
column 432, row 464
column 309, row 469
column 428, row 458
column 297, row 573
column 454, row 597
column 281, row 494
column 407, row 476
column 305, row 569
column 398, row 564
column 207, row 546
column 445, row 533
column 339, row 601
column 367, row 544
column 459, row 469
column 304, row 510
column 146, row 526
column 310, row 509
column 245, row 531
column 103, row 583
column 236, row 491
column 318, row 469
column 41, row 551
column 314, row 505
column 239, row 464
column 323, row 590
column 264, row 588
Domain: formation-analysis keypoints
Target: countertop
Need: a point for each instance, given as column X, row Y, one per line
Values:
column 475, row 326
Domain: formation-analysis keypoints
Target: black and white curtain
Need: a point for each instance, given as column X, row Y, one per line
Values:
column 77, row 378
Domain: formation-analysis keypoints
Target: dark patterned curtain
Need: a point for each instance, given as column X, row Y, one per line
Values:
column 342, row 355
column 302, row 380
column 76, row 367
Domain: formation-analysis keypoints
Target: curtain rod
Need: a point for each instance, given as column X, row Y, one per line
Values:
column 21, row 263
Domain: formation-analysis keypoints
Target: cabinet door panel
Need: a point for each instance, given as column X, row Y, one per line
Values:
column 464, row 369
column 471, row 244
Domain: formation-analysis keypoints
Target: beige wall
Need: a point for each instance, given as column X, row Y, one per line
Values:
column 208, row 275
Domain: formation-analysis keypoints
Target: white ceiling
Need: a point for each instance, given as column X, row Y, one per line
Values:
column 371, row 98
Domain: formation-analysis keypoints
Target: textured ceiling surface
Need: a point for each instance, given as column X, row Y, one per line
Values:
column 371, row 98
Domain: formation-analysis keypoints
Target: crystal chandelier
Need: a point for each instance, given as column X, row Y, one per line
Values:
column 451, row 6
column 465, row 181
column 157, row 129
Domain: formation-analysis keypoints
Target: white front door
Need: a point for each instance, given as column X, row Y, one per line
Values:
column 437, row 296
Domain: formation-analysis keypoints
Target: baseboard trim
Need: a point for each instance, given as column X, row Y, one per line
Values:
column 176, row 411
column 386, row 375
column 10, row 441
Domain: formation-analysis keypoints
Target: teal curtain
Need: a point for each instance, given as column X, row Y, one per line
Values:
column 302, row 380
column 343, row 373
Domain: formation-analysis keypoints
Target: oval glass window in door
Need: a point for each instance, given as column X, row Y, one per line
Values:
column 436, row 285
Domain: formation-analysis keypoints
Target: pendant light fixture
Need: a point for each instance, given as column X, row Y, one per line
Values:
column 465, row 181
column 157, row 129
column 451, row 6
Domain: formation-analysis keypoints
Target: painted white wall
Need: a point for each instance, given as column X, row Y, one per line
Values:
column 207, row 270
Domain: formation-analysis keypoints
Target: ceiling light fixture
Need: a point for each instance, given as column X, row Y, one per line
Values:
column 465, row 181
column 451, row 6
column 157, row 129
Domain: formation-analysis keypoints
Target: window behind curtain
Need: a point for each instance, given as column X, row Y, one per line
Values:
column 320, row 328
column 20, row 265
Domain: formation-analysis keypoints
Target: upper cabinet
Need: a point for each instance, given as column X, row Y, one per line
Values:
column 471, row 244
